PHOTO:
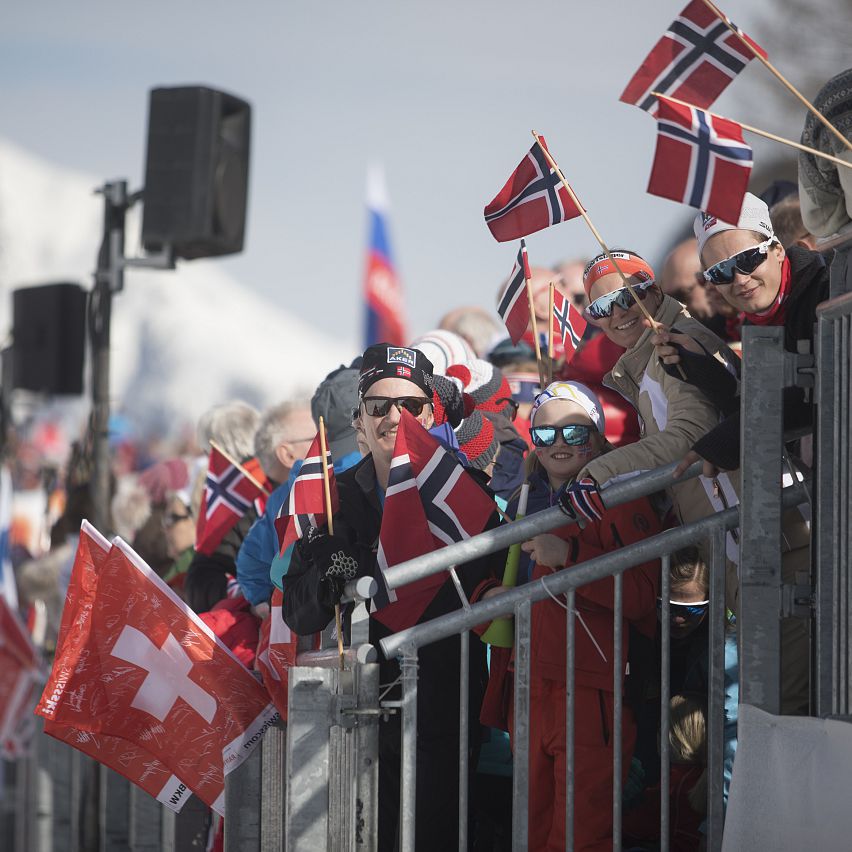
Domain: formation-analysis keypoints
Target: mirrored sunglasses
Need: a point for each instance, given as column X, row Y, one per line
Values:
column 744, row 262
column 379, row 406
column 573, row 435
column 602, row 307
column 684, row 610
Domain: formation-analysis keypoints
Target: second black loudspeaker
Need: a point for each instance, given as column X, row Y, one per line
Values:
column 196, row 172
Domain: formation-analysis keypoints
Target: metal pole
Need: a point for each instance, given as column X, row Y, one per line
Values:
column 665, row 698
column 570, row 702
column 464, row 719
column 273, row 751
column 618, row 694
column 521, row 736
column 408, row 774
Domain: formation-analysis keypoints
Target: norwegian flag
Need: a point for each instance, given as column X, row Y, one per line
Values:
column 19, row 670
column 306, row 503
column 228, row 494
column 430, row 501
column 514, row 307
column 568, row 324
column 138, row 665
column 701, row 160
column 695, row 60
column 532, row 199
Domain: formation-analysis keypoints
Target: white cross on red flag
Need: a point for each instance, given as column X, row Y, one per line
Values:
column 134, row 663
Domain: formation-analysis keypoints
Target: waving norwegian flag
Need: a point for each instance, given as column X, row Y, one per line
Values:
column 228, row 494
column 532, row 199
column 514, row 307
column 138, row 665
column 305, row 506
column 569, row 326
column 431, row 501
column 701, row 160
column 695, row 60
column 19, row 672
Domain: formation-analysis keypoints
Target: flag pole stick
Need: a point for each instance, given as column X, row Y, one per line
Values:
column 535, row 333
column 781, row 78
column 764, row 133
column 326, row 490
column 550, row 329
column 239, row 467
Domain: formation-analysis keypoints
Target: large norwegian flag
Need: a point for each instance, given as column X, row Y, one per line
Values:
column 228, row 494
column 701, row 160
column 569, row 326
column 430, row 501
column 514, row 307
column 532, row 199
column 695, row 60
column 305, row 506
column 140, row 666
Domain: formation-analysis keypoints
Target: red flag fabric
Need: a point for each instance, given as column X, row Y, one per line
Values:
column 701, row 160
column 305, row 506
column 532, row 199
column 569, row 325
column 695, row 60
column 514, row 308
column 228, row 495
column 140, row 666
column 19, row 668
column 430, row 501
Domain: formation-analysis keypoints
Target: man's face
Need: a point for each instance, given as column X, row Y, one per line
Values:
column 682, row 279
column 380, row 432
column 623, row 327
column 756, row 291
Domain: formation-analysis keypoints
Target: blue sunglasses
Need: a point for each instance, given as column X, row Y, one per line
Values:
column 574, row 435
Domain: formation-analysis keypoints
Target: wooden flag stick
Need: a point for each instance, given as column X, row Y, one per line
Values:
column 535, row 334
column 550, row 329
column 779, row 76
column 764, row 133
column 326, row 489
column 239, row 467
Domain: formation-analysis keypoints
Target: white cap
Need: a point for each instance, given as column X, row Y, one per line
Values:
column 443, row 348
column 754, row 216
column 573, row 392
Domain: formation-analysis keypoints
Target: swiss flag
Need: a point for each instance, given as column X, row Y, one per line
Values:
column 19, row 668
column 138, row 665
column 431, row 501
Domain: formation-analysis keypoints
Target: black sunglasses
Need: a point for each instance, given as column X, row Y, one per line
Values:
column 601, row 308
column 684, row 610
column 379, row 406
column 745, row 262
column 512, row 413
column 574, row 435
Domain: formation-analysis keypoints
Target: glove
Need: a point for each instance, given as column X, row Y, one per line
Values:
column 582, row 500
column 333, row 559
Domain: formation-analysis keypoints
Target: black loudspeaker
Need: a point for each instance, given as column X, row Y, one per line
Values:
column 196, row 173
column 49, row 338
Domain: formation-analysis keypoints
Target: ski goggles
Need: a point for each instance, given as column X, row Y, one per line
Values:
column 744, row 262
column 602, row 307
column 574, row 435
column 686, row 611
column 379, row 406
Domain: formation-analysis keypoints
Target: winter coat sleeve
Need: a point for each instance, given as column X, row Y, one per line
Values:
column 258, row 550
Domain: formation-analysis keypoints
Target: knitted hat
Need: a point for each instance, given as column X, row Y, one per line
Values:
column 443, row 348
column 484, row 382
column 754, row 216
column 450, row 404
column 477, row 440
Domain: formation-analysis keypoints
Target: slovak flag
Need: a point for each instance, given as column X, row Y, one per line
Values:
column 228, row 494
column 305, row 507
column 431, row 501
column 139, row 665
column 382, row 288
column 532, row 199
column 514, row 306
column 695, row 60
column 701, row 160
column 568, row 325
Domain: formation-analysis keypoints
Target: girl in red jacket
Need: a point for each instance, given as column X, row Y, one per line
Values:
column 567, row 428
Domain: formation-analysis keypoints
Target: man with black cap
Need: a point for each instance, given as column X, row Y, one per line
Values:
column 393, row 378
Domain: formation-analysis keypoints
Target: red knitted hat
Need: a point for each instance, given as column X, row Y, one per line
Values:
column 477, row 440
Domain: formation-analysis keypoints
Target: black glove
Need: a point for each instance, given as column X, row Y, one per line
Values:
column 334, row 561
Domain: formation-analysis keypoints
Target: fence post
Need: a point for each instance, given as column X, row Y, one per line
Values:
column 243, row 791
column 761, row 444
column 273, row 775
column 146, row 819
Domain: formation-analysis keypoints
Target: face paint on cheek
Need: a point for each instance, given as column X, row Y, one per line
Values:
column 585, row 451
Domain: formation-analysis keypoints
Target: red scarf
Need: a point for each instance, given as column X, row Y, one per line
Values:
column 776, row 314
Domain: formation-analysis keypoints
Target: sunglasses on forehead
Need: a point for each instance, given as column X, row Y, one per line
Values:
column 602, row 307
column 684, row 610
column 379, row 406
column 574, row 435
column 745, row 262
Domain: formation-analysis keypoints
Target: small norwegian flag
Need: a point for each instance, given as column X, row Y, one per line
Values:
column 695, row 60
column 228, row 494
column 305, row 506
column 568, row 324
column 514, row 307
column 532, row 199
column 701, row 160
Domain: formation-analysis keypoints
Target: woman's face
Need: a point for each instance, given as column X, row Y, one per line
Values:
column 682, row 622
column 179, row 527
column 623, row 327
column 564, row 461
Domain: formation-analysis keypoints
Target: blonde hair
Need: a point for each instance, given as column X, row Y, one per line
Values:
column 687, row 729
column 688, row 566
